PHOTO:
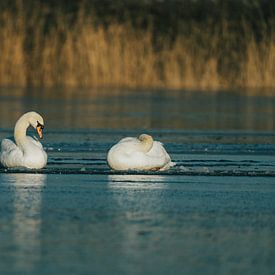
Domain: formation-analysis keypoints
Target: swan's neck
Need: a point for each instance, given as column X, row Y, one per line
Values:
column 20, row 130
column 146, row 144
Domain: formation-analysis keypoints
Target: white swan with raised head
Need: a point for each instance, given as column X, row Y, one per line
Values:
column 25, row 151
column 142, row 153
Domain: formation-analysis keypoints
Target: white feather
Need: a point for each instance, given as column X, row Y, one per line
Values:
column 26, row 151
column 128, row 155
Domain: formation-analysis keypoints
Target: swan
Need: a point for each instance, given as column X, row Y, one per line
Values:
column 141, row 153
column 25, row 151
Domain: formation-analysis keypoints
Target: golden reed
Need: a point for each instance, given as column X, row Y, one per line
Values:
column 85, row 55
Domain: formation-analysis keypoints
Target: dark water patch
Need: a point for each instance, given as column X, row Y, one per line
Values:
column 181, row 171
column 266, row 149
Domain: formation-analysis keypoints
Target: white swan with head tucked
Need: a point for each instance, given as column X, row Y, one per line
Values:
column 142, row 153
column 25, row 151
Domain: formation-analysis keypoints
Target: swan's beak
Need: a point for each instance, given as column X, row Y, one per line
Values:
column 39, row 130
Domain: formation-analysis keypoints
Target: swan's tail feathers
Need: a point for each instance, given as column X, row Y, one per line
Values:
column 7, row 145
column 10, row 153
column 167, row 166
column 173, row 164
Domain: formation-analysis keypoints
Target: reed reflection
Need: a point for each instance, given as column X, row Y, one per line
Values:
column 136, row 181
column 140, row 109
column 27, row 218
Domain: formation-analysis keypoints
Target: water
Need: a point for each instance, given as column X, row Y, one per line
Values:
column 213, row 213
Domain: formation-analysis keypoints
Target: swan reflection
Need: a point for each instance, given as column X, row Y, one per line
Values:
column 139, row 181
column 27, row 217
column 139, row 199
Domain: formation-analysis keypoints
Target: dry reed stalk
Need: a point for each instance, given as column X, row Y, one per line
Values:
column 189, row 67
column 113, row 57
column 269, row 65
column 259, row 69
column 12, row 58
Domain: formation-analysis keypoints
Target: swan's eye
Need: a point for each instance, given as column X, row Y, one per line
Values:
column 40, row 125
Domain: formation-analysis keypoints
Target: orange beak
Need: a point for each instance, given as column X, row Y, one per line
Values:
column 39, row 131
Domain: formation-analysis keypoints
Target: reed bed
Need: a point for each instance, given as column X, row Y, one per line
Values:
column 84, row 54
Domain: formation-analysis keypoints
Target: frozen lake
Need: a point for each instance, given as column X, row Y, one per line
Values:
column 213, row 213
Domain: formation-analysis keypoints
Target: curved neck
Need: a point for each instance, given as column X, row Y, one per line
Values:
column 20, row 130
column 146, row 144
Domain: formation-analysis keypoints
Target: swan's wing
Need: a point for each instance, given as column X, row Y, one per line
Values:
column 127, row 145
column 158, row 151
column 159, row 154
column 8, row 145
column 35, row 156
column 11, row 155
column 125, row 154
column 35, row 141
